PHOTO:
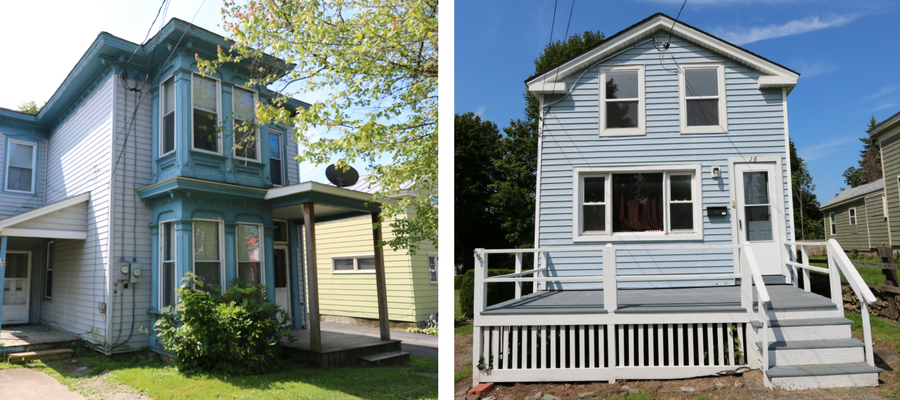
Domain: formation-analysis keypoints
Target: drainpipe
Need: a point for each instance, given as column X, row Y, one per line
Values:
column 2, row 274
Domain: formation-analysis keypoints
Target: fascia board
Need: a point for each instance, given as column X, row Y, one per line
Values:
column 44, row 210
column 887, row 128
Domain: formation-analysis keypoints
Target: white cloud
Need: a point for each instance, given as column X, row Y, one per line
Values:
column 807, row 70
column 816, row 152
column 480, row 111
column 886, row 105
column 795, row 27
column 885, row 90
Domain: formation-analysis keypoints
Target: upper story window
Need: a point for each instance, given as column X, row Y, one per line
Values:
column 249, row 253
column 622, row 100
column 703, row 98
column 246, row 136
column 205, row 117
column 208, row 254
column 21, row 163
column 275, row 157
column 167, row 105
column 637, row 203
column 852, row 213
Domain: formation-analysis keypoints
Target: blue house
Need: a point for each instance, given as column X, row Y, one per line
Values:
column 664, row 241
column 139, row 170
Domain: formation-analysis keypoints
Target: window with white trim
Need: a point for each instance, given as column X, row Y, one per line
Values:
column 852, row 213
column 622, row 100
column 205, row 115
column 637, row 203
column 833, row 226
column 351, row 264
column 208, row 254
column 48, row 272
column 167, row 279
column 702, row 88
column 246, row 136
column 433, row 268
column 21, row 162
column 249, row 253
column 167, row 105
column 275, row 157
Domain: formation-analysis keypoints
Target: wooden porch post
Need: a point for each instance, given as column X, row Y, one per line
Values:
column 315, row 331
column 380, row 284
column 2, row 274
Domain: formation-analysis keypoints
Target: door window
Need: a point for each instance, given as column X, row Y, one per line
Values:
column 756, row 206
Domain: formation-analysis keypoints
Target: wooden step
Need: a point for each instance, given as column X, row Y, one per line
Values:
column 815, row 352
column 815, row 376
column 54, row 354
column 386, row 358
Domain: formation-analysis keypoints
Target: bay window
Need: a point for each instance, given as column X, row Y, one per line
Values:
column 208, row 254
column 205, row 115
column 167, row 105
column 246, row 136
column 167, row 277
column 249, row 253
column 702, row 95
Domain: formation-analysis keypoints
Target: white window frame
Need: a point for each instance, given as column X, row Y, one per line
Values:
column 355, row 269
column 436, row 268
column 34, row 159
column 48, row 269
column 221, row 250
column 851, row 215
column 163, row 261
column 722, row 127
column 234, row 125
column 832, row 223
column 642, row 105
column 218, row 113
column 578, row 233
column 162, row 117
column 262, row 252
column 281, row 149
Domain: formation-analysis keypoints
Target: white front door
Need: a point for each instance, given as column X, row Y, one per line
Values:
column 282, row 283
column 759, row 222
column 16, row 287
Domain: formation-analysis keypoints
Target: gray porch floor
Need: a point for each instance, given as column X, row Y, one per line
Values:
column 17, row 338
column 656, row 300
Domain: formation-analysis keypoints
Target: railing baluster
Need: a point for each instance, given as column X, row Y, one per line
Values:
column 690, row 332
column 610, row 297
column 515, row 347
column 867, row 332
column 730, row 344
column 640, row 346
column 804, row 259
column 518, row 269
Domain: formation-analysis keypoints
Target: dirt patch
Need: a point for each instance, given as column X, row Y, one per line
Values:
column 73, row 367
column 99, row 388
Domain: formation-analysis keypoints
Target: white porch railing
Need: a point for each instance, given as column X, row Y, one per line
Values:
column 837, row 261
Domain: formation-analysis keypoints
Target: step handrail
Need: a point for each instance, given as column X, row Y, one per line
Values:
column 750, row 272
column 860, row 289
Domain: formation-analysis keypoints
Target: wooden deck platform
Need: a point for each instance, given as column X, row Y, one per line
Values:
column 338, row 349
column 656, row 300
column 19, row 338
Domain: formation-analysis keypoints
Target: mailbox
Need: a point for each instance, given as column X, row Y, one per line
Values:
column 716, row 211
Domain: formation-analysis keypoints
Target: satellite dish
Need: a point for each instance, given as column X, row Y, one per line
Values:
column 341, row 178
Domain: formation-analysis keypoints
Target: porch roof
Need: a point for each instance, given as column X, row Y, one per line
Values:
column 64, row 219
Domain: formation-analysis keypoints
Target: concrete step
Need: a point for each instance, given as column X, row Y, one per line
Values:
column 387, row 358
column 54, row 354
column 813, row 352
column 802, row 329
column 815, row 376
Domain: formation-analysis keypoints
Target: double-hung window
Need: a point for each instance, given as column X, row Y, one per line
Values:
column 852, row 213
column 622, row 100
column 48, row 272
column 205, row 115
column 21, row 163
column 275, row 170
column 167, row 279
column 833, row 225
column 246, row 136
column 702, row 98
column 349, row 264
column 167, row 105
column 637, row 203
column 433, row 268
column 208, row 254
column 249, row 253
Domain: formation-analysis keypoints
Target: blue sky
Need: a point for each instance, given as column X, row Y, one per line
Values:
column 845, row 51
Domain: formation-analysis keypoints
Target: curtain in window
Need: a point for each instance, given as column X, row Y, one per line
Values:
column 640, row 202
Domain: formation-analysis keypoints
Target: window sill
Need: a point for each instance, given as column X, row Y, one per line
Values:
column 207, row 153
column 247, row 161
column 691, row 130
column 623, row 132
column 635, row 237
column 352, row 272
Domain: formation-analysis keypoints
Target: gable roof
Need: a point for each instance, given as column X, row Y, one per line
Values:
column 776, row 75
column 854, row 193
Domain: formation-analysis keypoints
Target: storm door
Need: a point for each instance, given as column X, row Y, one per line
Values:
column 282, row 280
column 758, row 221
column 16, row 287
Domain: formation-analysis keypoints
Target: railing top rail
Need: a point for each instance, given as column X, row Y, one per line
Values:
column 757, row 277
column 856, row 282
column 523, row 273
column 795, row 243
column 625, row 247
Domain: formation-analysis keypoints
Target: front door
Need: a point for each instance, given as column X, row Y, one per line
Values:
column 16, row 287
column 758, row 221
column 282, row 283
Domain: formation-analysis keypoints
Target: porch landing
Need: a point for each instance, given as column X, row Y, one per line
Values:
column 656, row 300
column 19, row 338
column 338, row 349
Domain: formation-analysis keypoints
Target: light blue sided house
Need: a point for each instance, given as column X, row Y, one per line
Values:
column 134, row 174
column 665, row 247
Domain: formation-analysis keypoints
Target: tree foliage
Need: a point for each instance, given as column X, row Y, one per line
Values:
column 869, row 169
column 378, row 62
column 31, row 107
column 807, row 216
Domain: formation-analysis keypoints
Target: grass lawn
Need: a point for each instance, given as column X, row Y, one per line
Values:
column 868, row 274
column 290, row 381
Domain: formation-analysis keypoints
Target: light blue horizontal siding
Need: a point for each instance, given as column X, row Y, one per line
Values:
column 571, row 139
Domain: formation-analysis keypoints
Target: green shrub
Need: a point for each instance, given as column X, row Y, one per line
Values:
column 496, row 292
column 235, row 333
column 457, row 281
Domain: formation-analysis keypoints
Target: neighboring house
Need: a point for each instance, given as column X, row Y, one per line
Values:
column 663, row 226
column 857, row 218
column 135, row 172
column 887, row 134
column 347, row 270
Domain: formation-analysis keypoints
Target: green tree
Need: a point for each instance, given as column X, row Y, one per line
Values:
column 31, row 107
column 379, row 64
column 807, row 216
column 869, row 169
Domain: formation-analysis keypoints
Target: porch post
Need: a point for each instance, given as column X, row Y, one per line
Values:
column 380, row 284
column 2, row 274
column 315, row 332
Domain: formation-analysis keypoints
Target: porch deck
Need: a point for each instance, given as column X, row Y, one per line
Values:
column 338, row 349
column 655, row 300
column 19, row 338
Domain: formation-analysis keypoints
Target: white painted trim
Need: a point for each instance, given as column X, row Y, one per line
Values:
column 162, row 117
column 770, row 81
column 832, row 224
column 44, row 210
column 722, row 127
column 537, row 195
column 547, row 87
column 218, row 114
column 221, row 228
column 44, row 233
column 233, row 125
column 608, row 235
column 34, row 165
column 641, row 128
column 277, row 192
column 852, row 218
column 355, row 258
column 778, row 207
column 549, row 318
column 787, row 160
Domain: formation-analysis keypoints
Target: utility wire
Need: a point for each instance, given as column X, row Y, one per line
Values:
column 150, row 29
column 666, row 43
column 553, row 23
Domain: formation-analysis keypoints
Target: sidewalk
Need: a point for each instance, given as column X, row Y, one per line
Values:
column 27, row 384
column 419, row 344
